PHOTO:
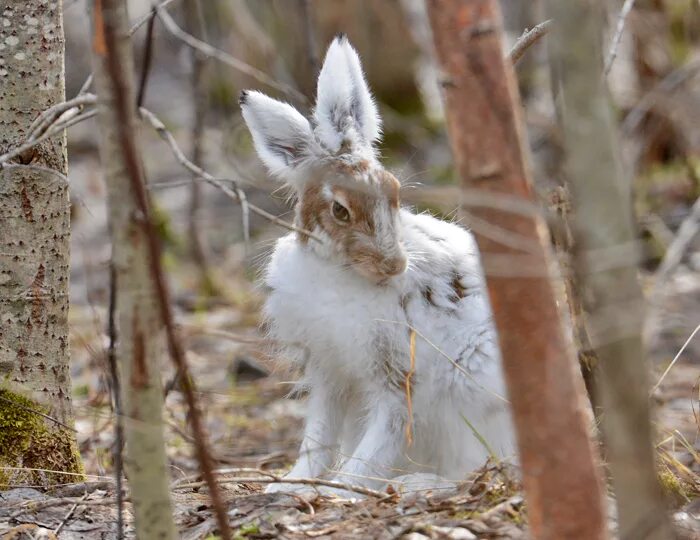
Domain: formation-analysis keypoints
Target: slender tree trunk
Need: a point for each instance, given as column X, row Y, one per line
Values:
column 606, row 263
column 34, row 251
column 560, row 471
column 200, row 98
column 140, row 328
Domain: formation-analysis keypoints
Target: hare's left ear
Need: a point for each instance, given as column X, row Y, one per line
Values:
column 345, row 110
column 283, row 138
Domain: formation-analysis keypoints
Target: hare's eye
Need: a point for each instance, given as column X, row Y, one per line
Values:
column 340, row 212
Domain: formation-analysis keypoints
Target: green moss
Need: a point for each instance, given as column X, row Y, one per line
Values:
column 674, row 487
column 27, row 442
column 164, row 227
column 246, row 530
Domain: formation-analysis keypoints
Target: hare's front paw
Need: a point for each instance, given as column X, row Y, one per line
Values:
column 283, row 487
column 339, row 493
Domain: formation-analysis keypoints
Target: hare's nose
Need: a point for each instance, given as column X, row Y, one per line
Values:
column 394, row 266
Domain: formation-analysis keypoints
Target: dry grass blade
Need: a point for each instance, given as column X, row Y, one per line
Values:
column 407, row 384
column 675, row 359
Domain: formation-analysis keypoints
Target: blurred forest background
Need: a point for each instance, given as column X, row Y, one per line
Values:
column 655, row 87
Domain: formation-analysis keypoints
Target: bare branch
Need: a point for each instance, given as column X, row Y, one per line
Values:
column 236, row 193
column 224, row 57
column 668, row 84
column 62, row 177
column 267, row 477
column 57, row 530
column 617, row 38
column 55, row 113
column 147, row 58
column 134, row 27
column 674, row 254
column 38, row 413
column 116, row 396
column 57, row 130
column 675, row 359
column 527, row 39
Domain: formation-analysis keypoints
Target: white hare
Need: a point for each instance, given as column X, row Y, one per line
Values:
column 371, row 278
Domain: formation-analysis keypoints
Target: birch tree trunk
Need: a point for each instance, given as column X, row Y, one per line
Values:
column 139, row 323
column 34, row 252
column 559, row 464
column 606, row 263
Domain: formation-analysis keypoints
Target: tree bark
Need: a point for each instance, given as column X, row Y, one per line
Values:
column 560, row 470
column 34, row 250
column 139, row 322
column 606, row 264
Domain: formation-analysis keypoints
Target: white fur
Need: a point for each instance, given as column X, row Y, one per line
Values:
column 356, row 421
column 351, row 335
column 283, row 138
column 345, row 110
column 345, row 118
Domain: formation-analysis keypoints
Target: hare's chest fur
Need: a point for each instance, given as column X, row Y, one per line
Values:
column 337, row 323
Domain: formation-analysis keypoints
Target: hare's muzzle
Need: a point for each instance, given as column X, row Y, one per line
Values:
column 393, row 266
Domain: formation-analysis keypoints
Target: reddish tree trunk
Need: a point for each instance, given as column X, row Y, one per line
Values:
column 560, row 470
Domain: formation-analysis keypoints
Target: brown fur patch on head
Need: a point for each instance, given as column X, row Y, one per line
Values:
column 359, row 189
column 352, row 168
column 389, row 186
column 314, row 211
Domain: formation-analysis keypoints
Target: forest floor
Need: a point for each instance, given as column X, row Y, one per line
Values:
column 254, row 427
column 252, row 424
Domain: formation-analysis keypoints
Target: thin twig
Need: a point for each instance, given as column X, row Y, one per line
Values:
column 57, row 130
column 35, row 506
column 38, row 413
column 224, row 57
column 70, row 514
column 686, row 233
column 116, row 396
column 675, row 359
column 53, row 114
column 527, row 39
column 668, row 84
column 235, row 194
column 147, row 58
column 271, row 478
column 86, row 85
column 135, row 175
column 617, row 38
column 82, row 488
column 134, row 27
column 674, row 255
column 37, row 168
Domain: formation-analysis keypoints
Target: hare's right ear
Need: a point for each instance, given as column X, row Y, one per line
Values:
column 345, row 109
column 283, row 138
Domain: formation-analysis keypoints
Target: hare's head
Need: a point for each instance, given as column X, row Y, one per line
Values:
column 344, row 196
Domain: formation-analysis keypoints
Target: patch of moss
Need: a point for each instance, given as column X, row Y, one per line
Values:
column 674, row 487
column 28, row 443
column 248, row 529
